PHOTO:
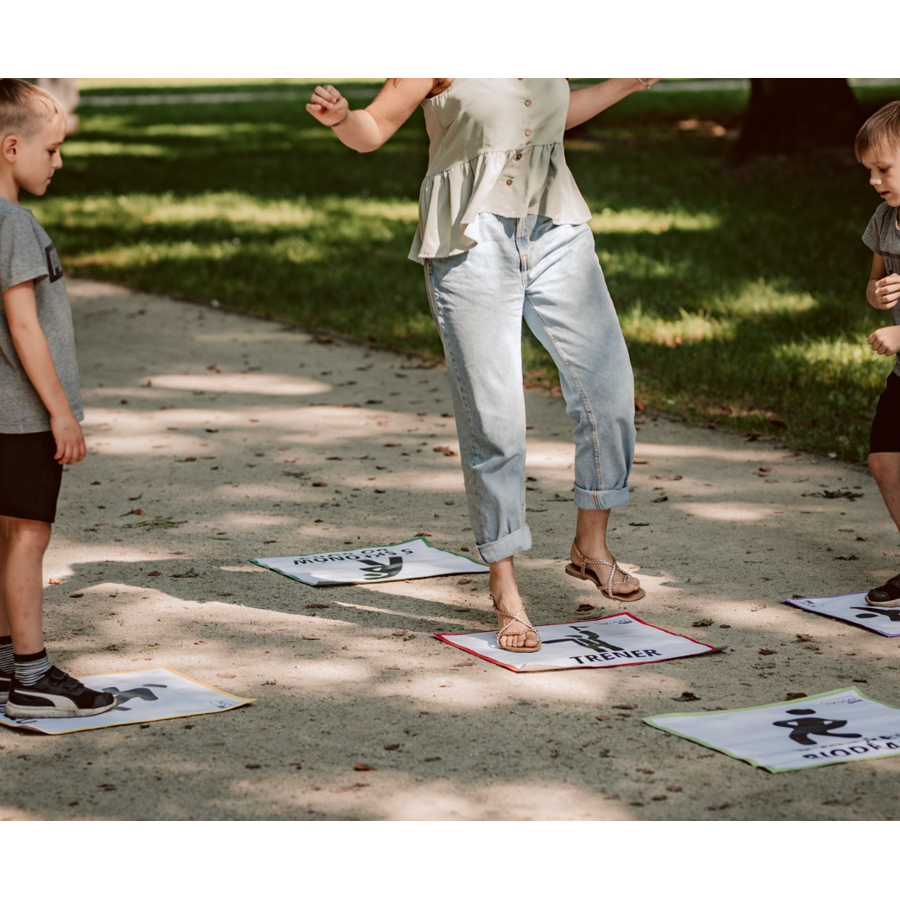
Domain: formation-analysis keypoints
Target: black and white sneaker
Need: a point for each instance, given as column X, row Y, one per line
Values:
column 5, row 682
column 888, row 595
column 55, row 696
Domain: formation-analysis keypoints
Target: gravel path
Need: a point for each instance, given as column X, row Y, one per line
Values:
column 223, row 422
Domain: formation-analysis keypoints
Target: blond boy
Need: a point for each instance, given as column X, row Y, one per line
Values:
column 40, row 407
column 878, row 149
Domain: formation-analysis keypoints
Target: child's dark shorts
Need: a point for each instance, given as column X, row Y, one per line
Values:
column 886, row 424
column 29, row 476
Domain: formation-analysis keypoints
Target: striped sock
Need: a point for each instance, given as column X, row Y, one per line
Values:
column 7, row 660
column 30, row 667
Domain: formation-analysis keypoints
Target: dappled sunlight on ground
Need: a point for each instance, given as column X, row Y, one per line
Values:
column 360, row 712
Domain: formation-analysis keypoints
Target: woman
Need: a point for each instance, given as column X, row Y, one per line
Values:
column 503, row 235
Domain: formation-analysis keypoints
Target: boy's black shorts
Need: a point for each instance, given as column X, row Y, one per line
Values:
column 29, row 476
column 886, row 424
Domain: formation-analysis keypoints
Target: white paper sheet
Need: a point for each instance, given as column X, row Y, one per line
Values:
column 820, row 730
column 396, row 562
column 144, row 696
column 618, row 640
column 853, row 608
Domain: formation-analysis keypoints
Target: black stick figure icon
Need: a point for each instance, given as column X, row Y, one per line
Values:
column 141, row 693
column 375, row 570
column 869, row 613
column 803, row 728
column 586, row 638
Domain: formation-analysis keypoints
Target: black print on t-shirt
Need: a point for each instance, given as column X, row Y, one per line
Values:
column 869, row 612
column 53, row 266
column 803, row 728
column 376, row 571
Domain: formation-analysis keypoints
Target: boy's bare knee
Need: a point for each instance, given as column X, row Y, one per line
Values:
column 30, row 532
column 885, row 467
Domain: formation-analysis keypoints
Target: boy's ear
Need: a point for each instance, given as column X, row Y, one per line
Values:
column 9, row 148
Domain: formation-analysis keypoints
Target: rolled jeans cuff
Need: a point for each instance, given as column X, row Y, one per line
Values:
column 600, row 499
column 510, row 544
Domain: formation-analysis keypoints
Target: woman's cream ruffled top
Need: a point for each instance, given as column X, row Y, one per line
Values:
column 496, row 146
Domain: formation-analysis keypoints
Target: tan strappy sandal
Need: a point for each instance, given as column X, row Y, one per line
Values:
column 516, row 617
column 607, row 589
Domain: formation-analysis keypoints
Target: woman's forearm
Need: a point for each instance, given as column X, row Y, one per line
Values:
column 585, row 103
column 360, row 131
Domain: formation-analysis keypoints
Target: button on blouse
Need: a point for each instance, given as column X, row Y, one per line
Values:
column 479, row 160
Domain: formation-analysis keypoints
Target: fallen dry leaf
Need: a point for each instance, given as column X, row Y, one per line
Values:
column 324, row 339
column 391, row 746
column 462, row 665
column 795, row 695
column 662, row 499
column 317, row 606
column 54, row 581
column 585, row 607
column 624, row 706
column 363, row 767
column 320, row 484
column 646, row 771
column 76, row 596
column 602, row 718
column 765, row 651
column 191, row 573
column 702, row 623
column 153, row 574
column 686, row 697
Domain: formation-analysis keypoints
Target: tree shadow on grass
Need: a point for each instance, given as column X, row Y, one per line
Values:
column 769, row 255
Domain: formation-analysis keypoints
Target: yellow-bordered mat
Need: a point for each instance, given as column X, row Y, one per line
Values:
column 148, row 695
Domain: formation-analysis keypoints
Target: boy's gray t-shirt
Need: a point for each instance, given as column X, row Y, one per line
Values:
column 883, row 237
column 26, row 254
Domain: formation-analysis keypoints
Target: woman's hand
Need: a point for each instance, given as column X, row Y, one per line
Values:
column 885, row 341
column 885, row 292
column 328, row 106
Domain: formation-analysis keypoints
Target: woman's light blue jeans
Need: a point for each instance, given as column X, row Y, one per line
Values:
column 549, row 274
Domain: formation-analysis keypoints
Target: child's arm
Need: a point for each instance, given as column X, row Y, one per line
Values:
column 883, row 290
column 31, row 345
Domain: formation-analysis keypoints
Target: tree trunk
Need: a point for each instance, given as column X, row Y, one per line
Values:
column 788, row 116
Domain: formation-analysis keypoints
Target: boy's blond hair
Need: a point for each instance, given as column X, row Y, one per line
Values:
column 880, row 130
column 24, row 106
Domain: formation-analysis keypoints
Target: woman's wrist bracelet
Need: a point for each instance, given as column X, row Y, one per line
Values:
column 342, row 120
column 644, row 83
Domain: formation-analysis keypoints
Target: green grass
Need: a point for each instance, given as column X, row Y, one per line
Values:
column 741, row 293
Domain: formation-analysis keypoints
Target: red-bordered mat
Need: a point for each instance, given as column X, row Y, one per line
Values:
column 621, row 639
